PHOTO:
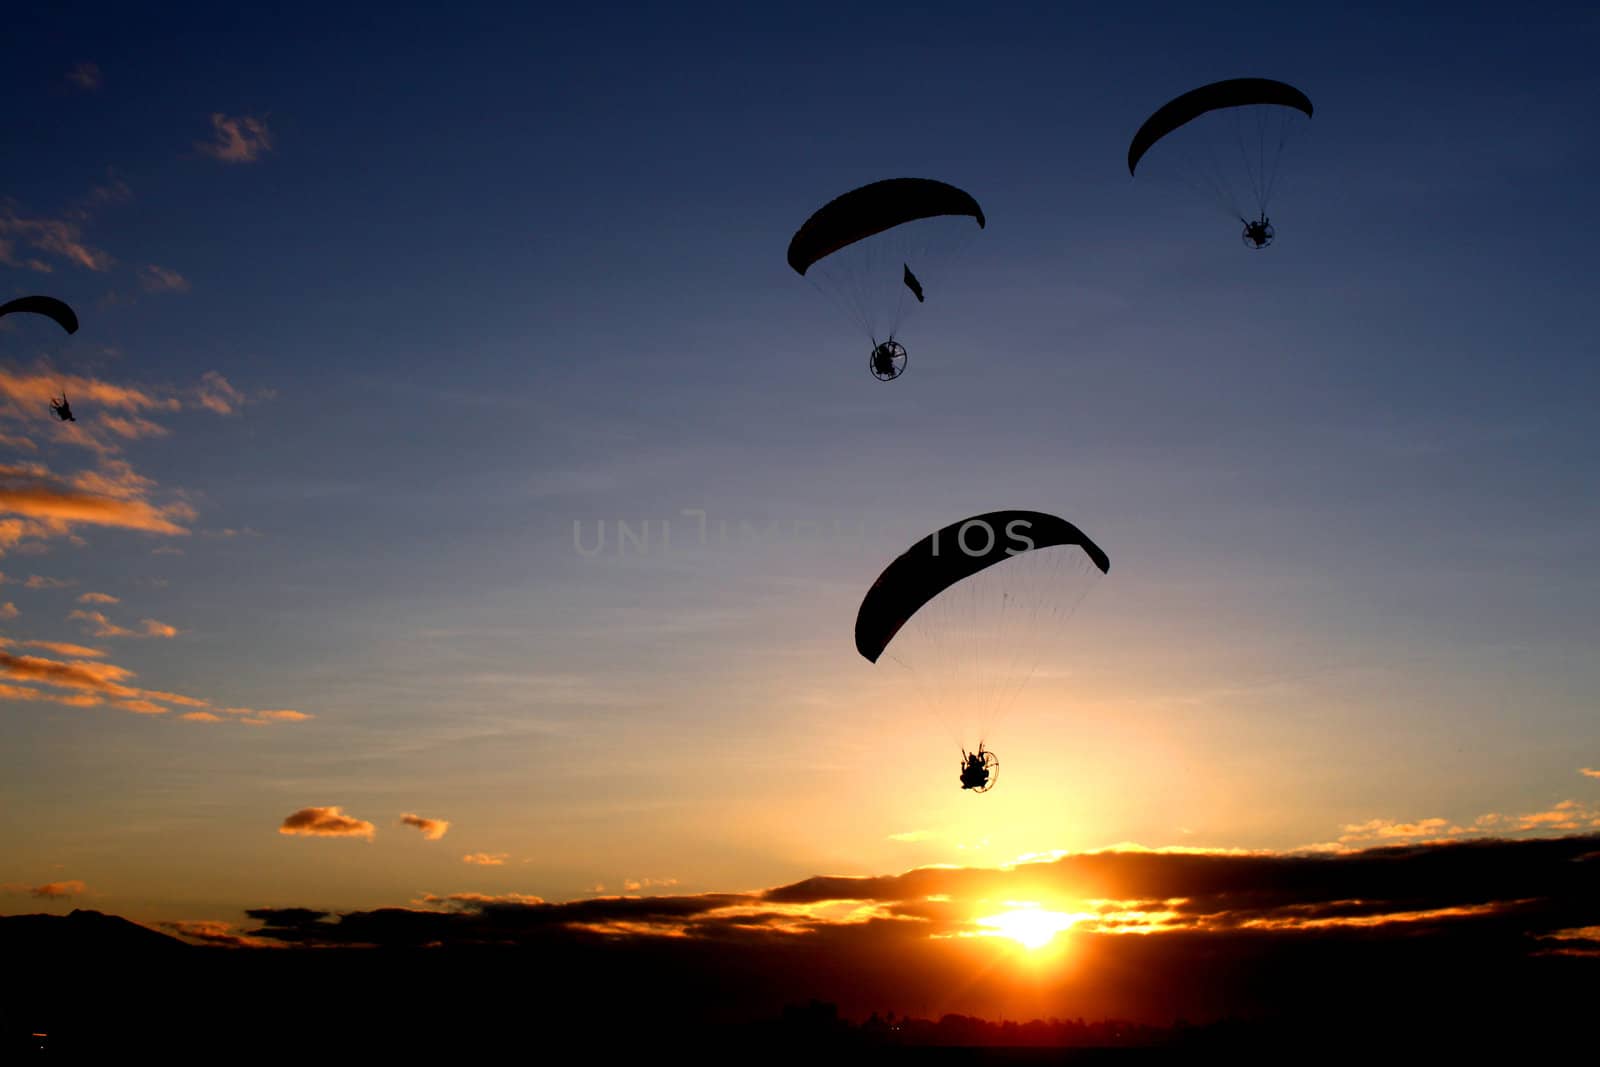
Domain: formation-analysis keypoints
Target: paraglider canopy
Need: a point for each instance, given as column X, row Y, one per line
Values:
column 1233, row 92
column 872, row 209
column 951, row 554
column 47, row 306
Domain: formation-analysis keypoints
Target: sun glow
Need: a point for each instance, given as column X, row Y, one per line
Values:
column 1031, row 927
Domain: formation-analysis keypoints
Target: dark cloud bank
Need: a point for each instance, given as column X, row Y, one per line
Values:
column 1443, row 945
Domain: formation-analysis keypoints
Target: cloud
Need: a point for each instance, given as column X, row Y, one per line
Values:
column 215, row 932
column 23, row 693
column 8, row 610
column 1567, row 815
column 98, row 598
column 486, row 859
column 326, row 822
column 913, row 835
column 633, row 885
column 37, row 581
column 86, row 75
column 90, row 683
column 1396, row 938
column 59, row 238
column 162, row 280
column 266, row 718
column 216, row 394
column 64, row 648
column 237, row 139
column 472, row 901
column 432, row 829
column 51, row 890
column 101, row 626
column 1590, row 772
column 102, row 678
column 46, row 506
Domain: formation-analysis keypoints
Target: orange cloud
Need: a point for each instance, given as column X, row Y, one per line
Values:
column 39, row 581
column 104, row 627
column 241, row 139
column 50, row 507
column 473, row 900
column 99, row 677
column 326, row 822
column 98, row 598
column 114, row 478
column 633, row 885
column 1590, row 771
column 216, row 932
column 1388, row 828
column 8, row 610
column 486, row 859
column 60, row 238
column 267, row 718
column 64, row 648
column 218, row 395
column 58, row 890
column 432, row 829
column 21, row 692
column 94, row 683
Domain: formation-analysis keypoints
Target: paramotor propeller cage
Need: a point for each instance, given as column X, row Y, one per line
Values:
column 887, row 361
column 1258, row 234
column 991, row 763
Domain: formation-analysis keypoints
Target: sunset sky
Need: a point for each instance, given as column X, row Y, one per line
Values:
column 375, row 310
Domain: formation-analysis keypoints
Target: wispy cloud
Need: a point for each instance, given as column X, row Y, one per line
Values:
column 216, row 932
column 217, row 394
column 1565, row 816
column 60, row 239
column 634, row 885
column 90, row 682
column 101, row 626
column 98, row 598
column 486, row 859
column 237, row 139
column 86, row 75
column 50, row 890
column 64, row 648
column 162, row 280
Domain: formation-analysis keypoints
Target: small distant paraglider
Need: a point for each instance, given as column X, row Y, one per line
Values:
column 1224, row 141
column 63, row 316
column 851, row 245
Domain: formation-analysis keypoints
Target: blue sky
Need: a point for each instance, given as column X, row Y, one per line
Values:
column 489, row 274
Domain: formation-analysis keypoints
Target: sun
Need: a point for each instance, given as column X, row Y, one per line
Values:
column 1032, row 928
